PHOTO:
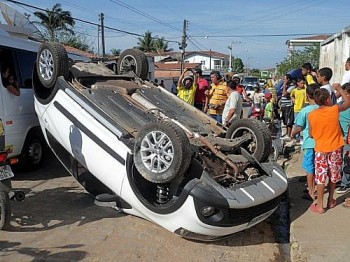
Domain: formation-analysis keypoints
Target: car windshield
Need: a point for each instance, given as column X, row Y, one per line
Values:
column 250, row 80
column 249, row 88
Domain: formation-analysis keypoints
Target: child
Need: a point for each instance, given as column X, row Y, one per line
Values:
column 344, row 123
column 302, row 124
column 326, row 130
column 269, row 107
column 298, row 96
column 324, row 75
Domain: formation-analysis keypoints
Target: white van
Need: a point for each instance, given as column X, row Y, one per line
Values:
column 24, row 138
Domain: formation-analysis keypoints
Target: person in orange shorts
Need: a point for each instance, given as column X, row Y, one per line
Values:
column 329, row 142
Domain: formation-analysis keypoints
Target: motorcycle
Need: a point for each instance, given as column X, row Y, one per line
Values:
column 6, row 192
column 257, row 111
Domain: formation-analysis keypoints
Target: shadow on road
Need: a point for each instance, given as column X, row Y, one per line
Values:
column 41, row 254
column 52, row 208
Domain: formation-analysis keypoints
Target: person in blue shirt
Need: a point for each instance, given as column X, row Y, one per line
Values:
column 302, row 125
column 344, row 120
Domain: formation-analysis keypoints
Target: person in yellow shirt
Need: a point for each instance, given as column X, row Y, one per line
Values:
column 298, row 96
column 307, row 72
column 187, row 86
column 217, row 96
column 299, row 99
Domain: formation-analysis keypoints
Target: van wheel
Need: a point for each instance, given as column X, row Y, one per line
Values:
column 162, row 152
column 133, row 60
column 5, row 210
column 33, row 152
column 52, row 62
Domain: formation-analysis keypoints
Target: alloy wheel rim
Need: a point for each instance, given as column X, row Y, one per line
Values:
column 157, row 152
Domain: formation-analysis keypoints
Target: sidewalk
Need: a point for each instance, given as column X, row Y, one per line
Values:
column 315, row 237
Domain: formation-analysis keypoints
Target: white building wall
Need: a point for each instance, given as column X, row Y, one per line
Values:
column 334, row 52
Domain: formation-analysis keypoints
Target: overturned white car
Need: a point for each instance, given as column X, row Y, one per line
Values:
column 131, row 142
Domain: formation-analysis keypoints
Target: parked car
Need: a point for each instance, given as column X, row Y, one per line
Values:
column 250, row 82
column 133, row 143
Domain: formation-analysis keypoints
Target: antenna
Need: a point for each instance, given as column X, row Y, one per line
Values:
column 18, row 23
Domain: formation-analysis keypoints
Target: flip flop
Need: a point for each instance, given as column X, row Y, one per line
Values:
column 332, row 204
column 314, row 209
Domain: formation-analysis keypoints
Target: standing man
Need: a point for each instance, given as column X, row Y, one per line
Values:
column 233, row 105
column 217, row 96
column 287, row 107
column 202, row 86
column 186, row 89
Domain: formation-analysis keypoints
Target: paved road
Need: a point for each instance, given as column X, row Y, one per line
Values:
column 59, row 222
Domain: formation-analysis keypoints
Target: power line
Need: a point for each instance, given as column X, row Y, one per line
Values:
column 90, row 23
column 258, row 35
column 133, row 9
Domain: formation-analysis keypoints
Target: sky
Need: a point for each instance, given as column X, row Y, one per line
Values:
column 256, row 29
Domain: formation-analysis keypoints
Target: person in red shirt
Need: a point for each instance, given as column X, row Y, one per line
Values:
column 202, row 86
column 240, row 88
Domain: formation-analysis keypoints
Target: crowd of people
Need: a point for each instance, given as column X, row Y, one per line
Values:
column 314, row 113
column 222, row 99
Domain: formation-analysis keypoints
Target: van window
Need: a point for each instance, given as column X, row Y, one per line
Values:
column 26, row 62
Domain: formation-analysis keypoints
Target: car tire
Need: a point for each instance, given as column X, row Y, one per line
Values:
column 52, row 62
column 33, row 151
column 260, row 145
column 162, row 152
column 5, row 209
column 133, row 60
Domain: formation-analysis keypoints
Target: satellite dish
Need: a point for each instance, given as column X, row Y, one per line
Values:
column 15, row 19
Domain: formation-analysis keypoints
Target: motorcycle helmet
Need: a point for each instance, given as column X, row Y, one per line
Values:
column 268, row 96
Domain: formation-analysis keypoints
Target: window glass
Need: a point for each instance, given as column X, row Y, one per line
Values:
column 26, row 62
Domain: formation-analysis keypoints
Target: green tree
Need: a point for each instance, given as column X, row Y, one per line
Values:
column 115, row 51
column 238, row 65
column 297, row 58
column 54, row 21
column 77, row 40
column 161, row 46
column 146, row 43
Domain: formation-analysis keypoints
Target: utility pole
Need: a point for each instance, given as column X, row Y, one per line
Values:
column 230, row 63
column 210, row 59
column 183, row 45
column 102, row 35
column 231, row 56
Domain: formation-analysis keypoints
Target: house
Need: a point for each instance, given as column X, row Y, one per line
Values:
column 305, row 41
column 168, row 64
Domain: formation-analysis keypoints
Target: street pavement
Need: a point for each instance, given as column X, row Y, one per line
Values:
column 315, row 237
column 59, row 222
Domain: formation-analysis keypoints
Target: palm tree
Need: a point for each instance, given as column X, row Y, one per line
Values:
column 161, row 45
column 55, row 20
column 146, row 43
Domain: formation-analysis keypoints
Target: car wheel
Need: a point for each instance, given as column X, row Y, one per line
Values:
column 33, row 152
column 52, row 62
column 5, row 210
column 133, row 60
column 260, row 144
column 162, row 152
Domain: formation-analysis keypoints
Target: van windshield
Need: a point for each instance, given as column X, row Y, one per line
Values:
column 250, row 80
